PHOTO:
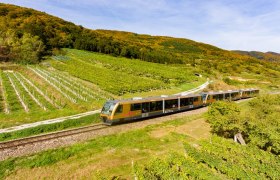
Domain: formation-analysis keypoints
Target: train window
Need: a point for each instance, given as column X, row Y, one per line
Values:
column 159, row 105
column 156, row 106
column 216, row 97
column 135, row 107
column 108, row 108
column 119, row 109
column 184, row 102
column 208, row 98
column 195, row 99
column 227, row 96
column 153, row 106
column 145, row 107
column 221, row 96
column 171, row 103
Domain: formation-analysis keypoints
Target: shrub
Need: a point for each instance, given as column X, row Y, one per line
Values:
column 224, row 118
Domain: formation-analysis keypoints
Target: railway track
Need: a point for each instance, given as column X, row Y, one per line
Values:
column 34, row 144
column 54, row 135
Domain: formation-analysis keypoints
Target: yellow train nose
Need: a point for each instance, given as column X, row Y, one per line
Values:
column 104, row 118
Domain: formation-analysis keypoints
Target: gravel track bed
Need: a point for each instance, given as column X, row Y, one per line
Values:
column 69, row 140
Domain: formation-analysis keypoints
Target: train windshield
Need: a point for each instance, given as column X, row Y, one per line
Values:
column 108, row 108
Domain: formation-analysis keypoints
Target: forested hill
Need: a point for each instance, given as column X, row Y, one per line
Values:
column 27, row 31
column 268, row 56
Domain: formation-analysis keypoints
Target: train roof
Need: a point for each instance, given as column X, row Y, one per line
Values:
column 155, row 98
column 251, row 89
column 228, row 91
column 165, row 97
column 221, row 92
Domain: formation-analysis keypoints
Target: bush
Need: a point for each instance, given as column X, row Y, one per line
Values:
column 224, row 118
column 259, row 124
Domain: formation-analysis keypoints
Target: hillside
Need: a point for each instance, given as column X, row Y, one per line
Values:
column 70, row 81
column 267, row 56
column 81, row 81
column 50, row 68
column 27, row 31
column 18, row 22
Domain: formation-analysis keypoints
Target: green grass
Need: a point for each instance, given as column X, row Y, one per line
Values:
column 21, row 117
column 71, row 123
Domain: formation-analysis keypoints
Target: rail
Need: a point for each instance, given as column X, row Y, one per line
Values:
column 54, row 135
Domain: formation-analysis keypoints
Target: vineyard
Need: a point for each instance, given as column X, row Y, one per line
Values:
column 122, row 75
column 80, row 81
column 31, row 93
column 218, row 159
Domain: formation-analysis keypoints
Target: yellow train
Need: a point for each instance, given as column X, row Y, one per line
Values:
column 119, row 111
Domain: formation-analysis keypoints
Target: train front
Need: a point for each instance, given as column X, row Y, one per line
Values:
column 106, row 112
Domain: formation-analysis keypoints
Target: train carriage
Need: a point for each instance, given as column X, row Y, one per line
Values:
column 230, row 95
column 118, row 111
column 247, row 93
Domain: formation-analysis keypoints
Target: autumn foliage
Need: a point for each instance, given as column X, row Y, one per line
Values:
column 46, row 32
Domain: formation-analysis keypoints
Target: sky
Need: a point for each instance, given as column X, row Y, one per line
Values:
column 229, row 24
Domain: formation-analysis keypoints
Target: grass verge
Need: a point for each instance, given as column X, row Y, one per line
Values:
column 71, row 123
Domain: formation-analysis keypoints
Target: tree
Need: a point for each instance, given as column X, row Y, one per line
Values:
column 225, row 119
column 27, row 49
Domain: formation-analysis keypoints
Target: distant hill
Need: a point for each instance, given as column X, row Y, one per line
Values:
column 268, row 56
column 54, row 33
